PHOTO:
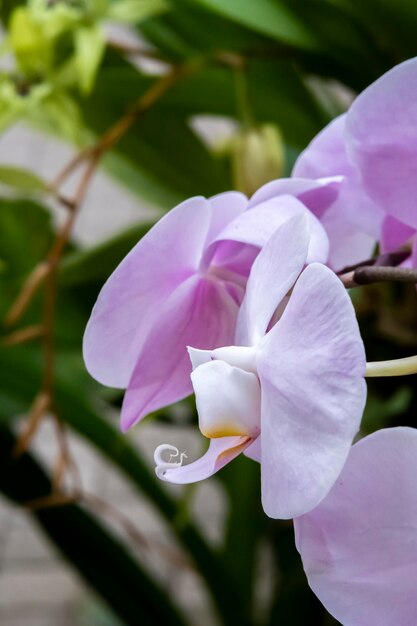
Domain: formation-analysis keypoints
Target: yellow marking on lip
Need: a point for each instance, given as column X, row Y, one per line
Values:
column 224, row 430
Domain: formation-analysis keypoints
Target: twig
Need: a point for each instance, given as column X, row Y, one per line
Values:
column 29, row 289
column 22, row 335
column 39, row 407
column 116, row 132
column 377, row 274
column 391, row 259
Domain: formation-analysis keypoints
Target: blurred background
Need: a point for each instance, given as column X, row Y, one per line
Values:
column 112, row 112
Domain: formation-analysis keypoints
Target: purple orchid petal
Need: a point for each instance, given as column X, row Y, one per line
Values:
column 254, row 450
column 348, row 244
column 394, row 234
column 220, row 452
column 316, row 195
column 311, row 366
column 273, row 273
column 225, row 208
column 359, row 546
column 132, row 296
column 326, row 153
column 326, row 156
column 414, row 253
column 200, row 312
column 381, row 134
column 255, row 227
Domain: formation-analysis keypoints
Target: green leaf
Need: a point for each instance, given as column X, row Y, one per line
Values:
column 168, row 156
column 293, row 601
column 102, row 560
column 90, row 44
column 21, row 377
column 269, row 17
column 245, row 523
column 21, row 179
column 135, row 11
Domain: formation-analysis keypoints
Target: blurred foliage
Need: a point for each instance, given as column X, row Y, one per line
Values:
column 299, row 62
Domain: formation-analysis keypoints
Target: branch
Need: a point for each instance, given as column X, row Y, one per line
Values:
column 377, row 274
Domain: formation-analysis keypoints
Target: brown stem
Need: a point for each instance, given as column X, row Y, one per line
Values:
column 376, row 274
column 22, row 335
column 391, row 259
column 39, row 407
column 116, row 132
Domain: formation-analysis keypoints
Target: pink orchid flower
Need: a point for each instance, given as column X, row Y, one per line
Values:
column 359, row 546
column 381, row 139
column 353, row 221
column 182, row 285
column 290, row 393
column 374, row 148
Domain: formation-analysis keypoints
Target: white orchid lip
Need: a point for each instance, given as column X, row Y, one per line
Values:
column 228, row 400
column 162, row 465
column 237, row 356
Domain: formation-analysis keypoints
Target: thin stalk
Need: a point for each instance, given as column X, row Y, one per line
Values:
column 396, row 367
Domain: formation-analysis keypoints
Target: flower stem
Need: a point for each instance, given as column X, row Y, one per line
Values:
column 397, row 367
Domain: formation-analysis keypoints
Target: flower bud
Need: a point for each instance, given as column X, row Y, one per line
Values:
column 257, row 157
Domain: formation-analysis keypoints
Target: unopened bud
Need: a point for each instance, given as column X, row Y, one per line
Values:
column 257, row 157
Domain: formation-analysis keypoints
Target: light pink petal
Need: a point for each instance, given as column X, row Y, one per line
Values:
column 256, row 226
column 413, row 259
column 201, row 313
column 311, row 367
column 326, row 156
column 273, row 273
column 354, row 204
column 220, row 452
column 317, row 195
column 129, row 302
column 359, row 546
column 326, row 153
column 394, row 234
column 254, row 450
column 225, row 208
column 381, row 133
column 348, row 244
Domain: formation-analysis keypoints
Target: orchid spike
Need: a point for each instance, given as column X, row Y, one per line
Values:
column 182, row 285
column 291, row 392
column 359, row 546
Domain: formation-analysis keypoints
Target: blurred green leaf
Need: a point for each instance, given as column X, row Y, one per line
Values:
column 379, row 410
column 21, row 179
column 102, row 560
column 81, row 409
column 269, row 17
column 90, row 44
column 25, row 234
column 135, row 10
column 245, row 523
column 294, row 602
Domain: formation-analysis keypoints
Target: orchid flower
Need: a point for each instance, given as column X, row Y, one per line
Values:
column 353, row 221
column 182, row 284
column 381, row 139
column 359, row 546
column 374, row 148
column 291, row 392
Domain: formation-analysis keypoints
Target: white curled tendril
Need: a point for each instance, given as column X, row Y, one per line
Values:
column 161, row 464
